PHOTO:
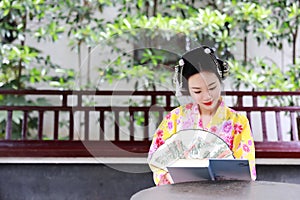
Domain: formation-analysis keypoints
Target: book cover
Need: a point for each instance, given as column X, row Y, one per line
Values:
column 187, row 170
column 230, row 169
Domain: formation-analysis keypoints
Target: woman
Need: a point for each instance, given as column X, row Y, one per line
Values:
column 201, row 73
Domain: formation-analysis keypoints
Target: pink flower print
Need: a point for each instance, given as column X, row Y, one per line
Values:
column 159, row 141
column 250, row 142
column 152, row 149
column 200, row 124
column 159, row 133
column 238, row 128
column 213, row 129
column 227, row 127
column 188, row 123
column 163, row 180
column 189, row 106
column 246, row 148
column 222, row 103
column 170, row 125
column 233, row 111
column 178, row 121
column 168, row 116
column 229, row 141
column 254, row 172
column 177, row 111
column 195, row 109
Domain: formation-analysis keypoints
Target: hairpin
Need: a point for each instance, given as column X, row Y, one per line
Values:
column 177, row 79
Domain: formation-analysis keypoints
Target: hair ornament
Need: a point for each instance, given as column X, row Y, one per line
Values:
column 207, row 50
column 181, row 62
column 177, row 79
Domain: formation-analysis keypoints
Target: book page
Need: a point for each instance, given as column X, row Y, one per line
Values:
column 190, row 163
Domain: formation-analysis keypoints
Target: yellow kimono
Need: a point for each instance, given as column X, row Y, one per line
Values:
column 229, row 125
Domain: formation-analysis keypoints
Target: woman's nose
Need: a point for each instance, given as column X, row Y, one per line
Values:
column 206, row 95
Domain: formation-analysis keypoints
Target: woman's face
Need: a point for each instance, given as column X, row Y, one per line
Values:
column 205, row 89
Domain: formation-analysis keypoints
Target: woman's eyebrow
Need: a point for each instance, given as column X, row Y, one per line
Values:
column 211, row 84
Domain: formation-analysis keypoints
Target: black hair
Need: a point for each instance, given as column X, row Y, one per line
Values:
column 199, row 60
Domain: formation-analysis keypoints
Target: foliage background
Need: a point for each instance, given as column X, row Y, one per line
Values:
column 89, row 24
column 223, row 23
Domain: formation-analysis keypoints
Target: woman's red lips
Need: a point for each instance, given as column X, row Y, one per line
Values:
column 208, row 103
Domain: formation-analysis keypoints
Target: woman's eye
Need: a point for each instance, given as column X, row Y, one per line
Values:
column 212, row 88
column 197, row 92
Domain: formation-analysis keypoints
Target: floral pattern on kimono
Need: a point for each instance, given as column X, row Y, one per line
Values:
column 231, row 126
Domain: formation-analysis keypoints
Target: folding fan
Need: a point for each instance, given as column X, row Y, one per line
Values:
column 190, row 144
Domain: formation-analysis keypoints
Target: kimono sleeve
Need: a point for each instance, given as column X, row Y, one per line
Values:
column 165, row 130
column 245, row 148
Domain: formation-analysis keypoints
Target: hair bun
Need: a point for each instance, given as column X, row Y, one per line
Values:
column 222, row 66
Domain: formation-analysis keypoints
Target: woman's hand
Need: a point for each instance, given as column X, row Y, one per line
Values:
column 166, row 179
column 169, row 178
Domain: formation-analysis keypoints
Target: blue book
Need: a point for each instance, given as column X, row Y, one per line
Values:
column 187, row 170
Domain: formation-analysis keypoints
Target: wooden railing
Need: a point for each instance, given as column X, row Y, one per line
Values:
column 278, row 147
column 108, row 136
